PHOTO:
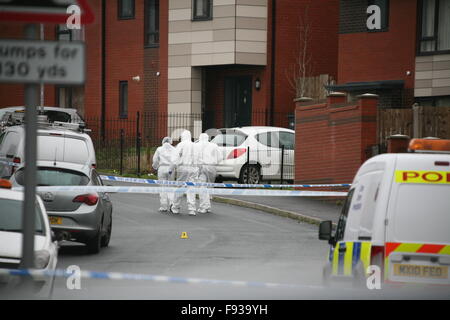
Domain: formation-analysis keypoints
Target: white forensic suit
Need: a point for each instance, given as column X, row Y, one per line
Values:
column 162, row 161
column 207, row 157
column 184, row 162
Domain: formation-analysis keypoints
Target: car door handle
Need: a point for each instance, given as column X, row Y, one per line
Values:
column 342, row 249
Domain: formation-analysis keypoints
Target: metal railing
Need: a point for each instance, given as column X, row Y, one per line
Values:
column 127, row 145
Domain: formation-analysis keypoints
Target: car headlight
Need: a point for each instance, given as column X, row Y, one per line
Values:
column 41, row 259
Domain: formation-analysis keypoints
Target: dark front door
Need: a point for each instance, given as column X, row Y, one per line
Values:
column 238, row 102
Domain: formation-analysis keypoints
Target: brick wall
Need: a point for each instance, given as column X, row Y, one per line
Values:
column 333, row 139
column 323, row 18
column 387, row 55
column 124, row 59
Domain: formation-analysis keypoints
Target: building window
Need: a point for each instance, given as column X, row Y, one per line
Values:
column 441, row 101
column 64, row 97
column 151, row 31
column 202, row 10
column 434, row 27
column 384, row 13
column 123, row 99
column 126, row 9
column 63, row 34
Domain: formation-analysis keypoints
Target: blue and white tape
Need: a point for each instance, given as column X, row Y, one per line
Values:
column 147, row 277
column 8, row 163
column 195, row 190
column 217, row 185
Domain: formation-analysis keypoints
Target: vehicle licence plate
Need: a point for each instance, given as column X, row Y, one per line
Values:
column 418, row 271
column 55, row 220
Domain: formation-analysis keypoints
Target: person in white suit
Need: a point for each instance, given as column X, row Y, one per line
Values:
column 162, row 162
column 207, row 156
column 183, row 161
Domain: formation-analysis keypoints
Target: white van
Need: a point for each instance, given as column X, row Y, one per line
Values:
column 397, row 217
column 54, row 144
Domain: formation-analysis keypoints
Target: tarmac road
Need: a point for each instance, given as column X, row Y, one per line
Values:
column 232, row 243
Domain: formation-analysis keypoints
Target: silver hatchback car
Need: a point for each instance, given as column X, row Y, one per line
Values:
column 74, row 216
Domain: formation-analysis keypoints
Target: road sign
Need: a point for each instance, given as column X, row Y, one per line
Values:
column 43, row 11
column 29, row 61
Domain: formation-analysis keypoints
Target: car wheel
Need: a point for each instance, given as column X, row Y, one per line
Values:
column 94, row 244
column 107, row 236
column 250, row 174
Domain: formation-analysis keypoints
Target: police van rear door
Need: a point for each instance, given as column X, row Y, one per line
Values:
column 418, row 226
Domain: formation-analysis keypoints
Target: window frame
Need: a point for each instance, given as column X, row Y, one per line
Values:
column 147, row 33
column 207, row 17
column 120, row 15
column 122, row 84
column 421, row 39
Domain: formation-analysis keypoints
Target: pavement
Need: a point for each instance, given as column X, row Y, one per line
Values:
column 305, row 209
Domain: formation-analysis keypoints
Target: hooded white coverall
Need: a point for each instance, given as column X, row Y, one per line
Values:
column 207, row 155
column 162, row 162
column 184, row 161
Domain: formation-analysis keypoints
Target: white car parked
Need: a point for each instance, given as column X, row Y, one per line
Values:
column 46, row 248
column 253, row 154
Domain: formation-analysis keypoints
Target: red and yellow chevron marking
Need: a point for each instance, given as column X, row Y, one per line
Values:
column 413, row 248
column 416, row 248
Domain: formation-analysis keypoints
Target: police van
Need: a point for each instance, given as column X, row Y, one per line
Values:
column 396, row 216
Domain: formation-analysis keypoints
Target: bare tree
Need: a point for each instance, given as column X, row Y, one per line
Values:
column 298, row 72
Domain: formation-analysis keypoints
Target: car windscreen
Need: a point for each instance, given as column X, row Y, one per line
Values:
column 48, row 176
column 422, row 213
column 54, row 115
column 11, row 216
column 229, row 139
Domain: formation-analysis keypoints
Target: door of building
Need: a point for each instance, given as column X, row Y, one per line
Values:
column 238, row 101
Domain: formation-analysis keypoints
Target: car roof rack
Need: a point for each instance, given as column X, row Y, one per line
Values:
column 18, row 118
column 69, row 126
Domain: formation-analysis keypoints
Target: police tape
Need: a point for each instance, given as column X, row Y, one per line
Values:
column 207, row 184
column 195, row 190
column 145, row 277
column 215, row 185
column 13, row 164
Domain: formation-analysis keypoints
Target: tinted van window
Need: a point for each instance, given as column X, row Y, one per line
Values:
column 55, row 177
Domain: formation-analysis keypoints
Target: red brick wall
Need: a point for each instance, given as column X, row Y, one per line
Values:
column 93, row 86
column 323, row 17
column 332, row 139
column 124, row 59
column 12, row 94
column 370, row 56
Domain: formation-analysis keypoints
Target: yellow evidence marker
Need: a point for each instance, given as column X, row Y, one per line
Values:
column 184, row 235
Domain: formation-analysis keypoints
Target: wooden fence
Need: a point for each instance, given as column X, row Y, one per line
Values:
column 416, row 122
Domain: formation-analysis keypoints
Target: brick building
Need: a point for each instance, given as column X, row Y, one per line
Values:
column 229, row 61
column 405, row 61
